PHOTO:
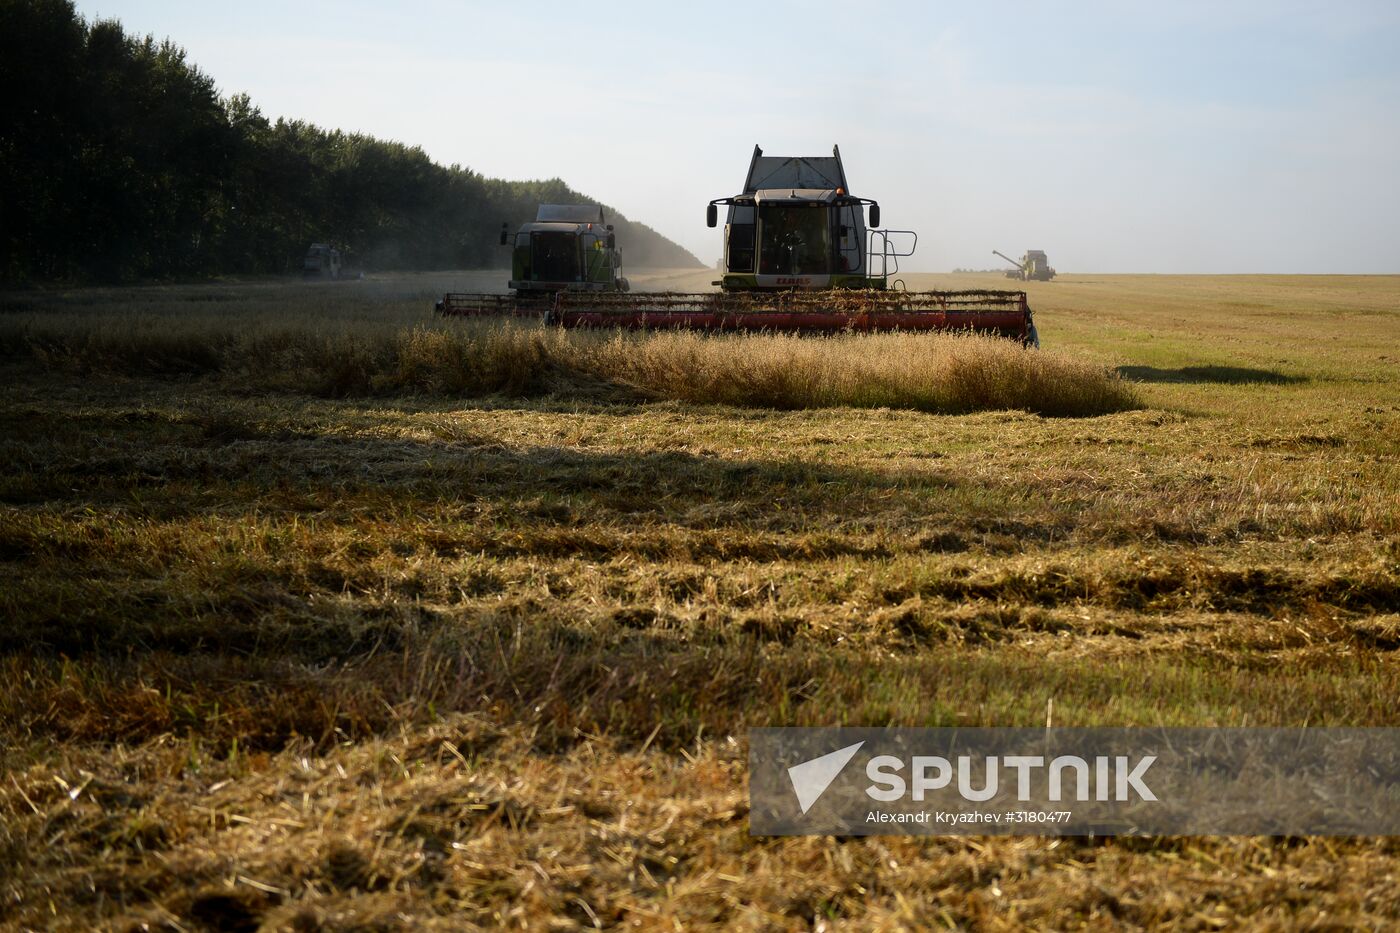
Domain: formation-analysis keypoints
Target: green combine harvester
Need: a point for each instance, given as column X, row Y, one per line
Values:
column 798, row 257
column 567, row 248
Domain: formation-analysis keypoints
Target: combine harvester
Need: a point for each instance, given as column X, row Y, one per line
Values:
column 1033, row 267
column 568, row 248
column 798, row 257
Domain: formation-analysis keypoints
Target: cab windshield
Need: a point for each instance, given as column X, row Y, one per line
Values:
column 555, row 257
column 795, row 240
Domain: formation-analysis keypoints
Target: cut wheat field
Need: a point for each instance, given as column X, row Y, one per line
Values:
column 320, row 613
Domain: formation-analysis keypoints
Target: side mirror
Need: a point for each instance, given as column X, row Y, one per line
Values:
column 711, row 216
column 612, row 240
column 505, row 233
column 874, row 215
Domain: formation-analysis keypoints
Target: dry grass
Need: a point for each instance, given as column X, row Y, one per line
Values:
column 416, row 655
column 945, row 374
column 464, row 825
column 933, row 373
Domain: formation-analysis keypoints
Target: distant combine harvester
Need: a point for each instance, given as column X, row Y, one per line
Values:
column 322, row 262
column 1033, row 267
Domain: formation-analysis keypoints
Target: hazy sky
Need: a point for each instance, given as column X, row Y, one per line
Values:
column 1118, row 136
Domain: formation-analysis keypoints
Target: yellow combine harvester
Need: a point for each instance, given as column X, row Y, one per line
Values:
column 1033, row 267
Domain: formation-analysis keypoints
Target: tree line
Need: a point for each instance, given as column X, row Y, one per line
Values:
column 119, row 161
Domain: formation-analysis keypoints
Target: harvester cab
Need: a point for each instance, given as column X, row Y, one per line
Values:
column 568, row 247
column 795, row 225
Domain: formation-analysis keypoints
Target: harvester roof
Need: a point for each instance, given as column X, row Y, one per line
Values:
column 538, row 227
column 795, row 172
column 794, row 195
column 569, row 214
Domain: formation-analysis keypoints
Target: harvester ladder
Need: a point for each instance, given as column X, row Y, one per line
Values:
column 887, row 254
